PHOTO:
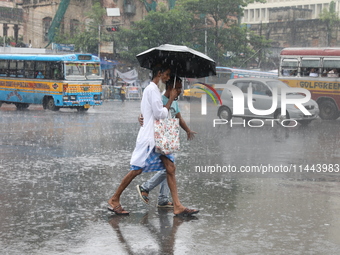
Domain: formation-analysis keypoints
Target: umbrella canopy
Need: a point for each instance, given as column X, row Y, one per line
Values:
column 184, row 61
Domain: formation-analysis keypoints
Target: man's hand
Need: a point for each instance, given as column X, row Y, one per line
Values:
column 173, row 94
column 141, row 119
column 191, row 134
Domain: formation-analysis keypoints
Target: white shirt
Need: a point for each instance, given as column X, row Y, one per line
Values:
column 152, row 109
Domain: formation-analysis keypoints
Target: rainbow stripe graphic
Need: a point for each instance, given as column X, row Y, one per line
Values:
column 210, row 94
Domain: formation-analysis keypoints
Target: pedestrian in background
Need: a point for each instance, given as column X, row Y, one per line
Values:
column 123, row 92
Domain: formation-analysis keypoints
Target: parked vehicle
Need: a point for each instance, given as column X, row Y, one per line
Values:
column 262, row 99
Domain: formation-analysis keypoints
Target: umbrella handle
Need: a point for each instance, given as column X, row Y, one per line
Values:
column 175, row 78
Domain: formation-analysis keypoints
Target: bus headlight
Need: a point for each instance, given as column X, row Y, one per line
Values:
column 73, row 98
column 65, row 98
column 96, row 97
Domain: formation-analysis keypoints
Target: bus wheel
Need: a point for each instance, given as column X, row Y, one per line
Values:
column 82, row 109
column 0, row 103
column 328, row 110
column 224, row 113
column 282, row 119
column 50, row 105
column 21, row 106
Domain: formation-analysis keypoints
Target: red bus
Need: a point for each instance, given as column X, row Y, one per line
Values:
column 315, row 69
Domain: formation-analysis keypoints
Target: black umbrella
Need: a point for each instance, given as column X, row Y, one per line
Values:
column 184, row 61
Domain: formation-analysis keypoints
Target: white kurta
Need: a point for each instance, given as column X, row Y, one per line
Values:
column 152, row 109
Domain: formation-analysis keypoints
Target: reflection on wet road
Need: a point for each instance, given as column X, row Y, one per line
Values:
column 57, row 170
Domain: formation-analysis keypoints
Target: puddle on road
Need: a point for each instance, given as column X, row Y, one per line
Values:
column 58, row 170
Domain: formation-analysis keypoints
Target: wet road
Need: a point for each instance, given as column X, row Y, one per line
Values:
column 57, row 170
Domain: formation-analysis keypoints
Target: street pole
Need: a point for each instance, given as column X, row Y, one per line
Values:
column 205, row 36
column 99, row 41
column 205, row 42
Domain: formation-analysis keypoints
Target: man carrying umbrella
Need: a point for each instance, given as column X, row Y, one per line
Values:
column 144, row 157
column 160, row 177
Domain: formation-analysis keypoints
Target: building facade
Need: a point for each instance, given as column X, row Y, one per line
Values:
column 261, row 12
column 11, row 21
column 288, row 23
column 41, row 15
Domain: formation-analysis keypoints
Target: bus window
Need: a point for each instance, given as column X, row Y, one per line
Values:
column 57, row 71
column 12, row 70
column 40, row 69
column 48, row 70
column 29, row 69
column 289, row 67
column 20, row 68
column 331, row 67
column 3, row 67
column 310, row 67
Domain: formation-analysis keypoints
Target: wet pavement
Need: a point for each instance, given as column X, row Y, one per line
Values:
column 58, row 169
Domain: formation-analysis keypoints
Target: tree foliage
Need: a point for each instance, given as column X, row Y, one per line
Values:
column 86, row 39
column 161, row 27
column 329, row 16
column 209, row 26
column 228, row 43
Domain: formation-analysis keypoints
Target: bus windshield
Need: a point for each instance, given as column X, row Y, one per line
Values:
column 92, row 70
column 75, row 70
column 82, row 71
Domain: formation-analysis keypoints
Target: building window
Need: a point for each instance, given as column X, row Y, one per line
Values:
column 246, row 15
column 46, row 25
column 5, row 29
column 74, row 26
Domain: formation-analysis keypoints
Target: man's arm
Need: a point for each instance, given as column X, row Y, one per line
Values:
column 183, row 124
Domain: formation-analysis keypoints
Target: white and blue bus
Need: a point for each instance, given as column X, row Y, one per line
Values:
column 223, row 74
column 54, row 81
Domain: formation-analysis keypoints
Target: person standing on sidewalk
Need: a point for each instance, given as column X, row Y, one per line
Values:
column 123, row 92
column 160, row 177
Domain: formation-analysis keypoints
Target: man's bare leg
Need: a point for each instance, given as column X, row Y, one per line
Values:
column 171, row 178
column 115, row 199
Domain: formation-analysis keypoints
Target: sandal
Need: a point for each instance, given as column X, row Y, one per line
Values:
column 143, row 197
column 119, row 210
column 187, row 212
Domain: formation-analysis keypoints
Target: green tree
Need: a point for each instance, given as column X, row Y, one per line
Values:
column 330, row 17
column 161, row 27
column 86, row 38
column 227, row 42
